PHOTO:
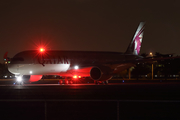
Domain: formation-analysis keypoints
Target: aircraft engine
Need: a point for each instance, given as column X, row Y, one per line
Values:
column 101, row 73
column 32, row 78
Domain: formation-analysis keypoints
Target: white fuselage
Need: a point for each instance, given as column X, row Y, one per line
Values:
column 63, row 62
column 38, row 69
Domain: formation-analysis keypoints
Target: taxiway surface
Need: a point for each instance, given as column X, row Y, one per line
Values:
column 115, row 101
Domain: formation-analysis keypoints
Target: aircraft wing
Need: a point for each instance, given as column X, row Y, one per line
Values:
column 115, row 66
column 82, row 71
column 120, row 66
column 151, row 59
column 141, row 60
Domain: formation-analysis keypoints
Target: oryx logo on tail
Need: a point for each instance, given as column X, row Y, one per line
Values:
column 135, row 45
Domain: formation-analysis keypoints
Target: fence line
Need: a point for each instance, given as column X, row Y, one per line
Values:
column 85, row 100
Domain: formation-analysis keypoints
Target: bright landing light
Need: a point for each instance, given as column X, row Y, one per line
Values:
column 19, row 79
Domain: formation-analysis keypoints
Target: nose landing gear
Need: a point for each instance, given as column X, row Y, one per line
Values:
column 100, row 82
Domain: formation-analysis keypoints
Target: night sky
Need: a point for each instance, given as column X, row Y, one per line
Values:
column 88, row 25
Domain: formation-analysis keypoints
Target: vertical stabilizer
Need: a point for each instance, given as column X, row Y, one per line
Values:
column 135, row 45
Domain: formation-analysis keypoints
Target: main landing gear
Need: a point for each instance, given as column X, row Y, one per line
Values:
column 65, row 81
column 101, row 82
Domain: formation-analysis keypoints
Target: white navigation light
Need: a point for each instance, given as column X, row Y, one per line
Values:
column 30, row 72
column 19, row 78
column 76, row 67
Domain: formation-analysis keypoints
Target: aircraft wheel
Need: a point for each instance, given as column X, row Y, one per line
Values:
column 60, row 82
column 96, row 82
column 20, row 83
column 66, row 82
column 106, row 82
column 71, row 82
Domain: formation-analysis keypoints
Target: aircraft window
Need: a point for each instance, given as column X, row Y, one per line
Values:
column 18, row 59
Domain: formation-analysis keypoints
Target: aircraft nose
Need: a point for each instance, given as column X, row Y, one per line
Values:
column 12, row 68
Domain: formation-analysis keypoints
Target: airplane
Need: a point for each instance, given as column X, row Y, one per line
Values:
column 98, row 65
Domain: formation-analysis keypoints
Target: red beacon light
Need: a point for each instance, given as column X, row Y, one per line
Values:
column 75, row 76
column 41, row 49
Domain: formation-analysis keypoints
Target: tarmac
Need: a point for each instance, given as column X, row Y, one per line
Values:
column 115, row 101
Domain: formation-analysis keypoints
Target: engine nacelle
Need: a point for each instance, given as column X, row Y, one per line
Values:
column 31, row 78
column 101, row 73
column 34, row 78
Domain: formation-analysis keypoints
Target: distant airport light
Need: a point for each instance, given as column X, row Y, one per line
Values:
column 76, row 67
column 79, row 76
column 42, row 49
column 151, row 54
